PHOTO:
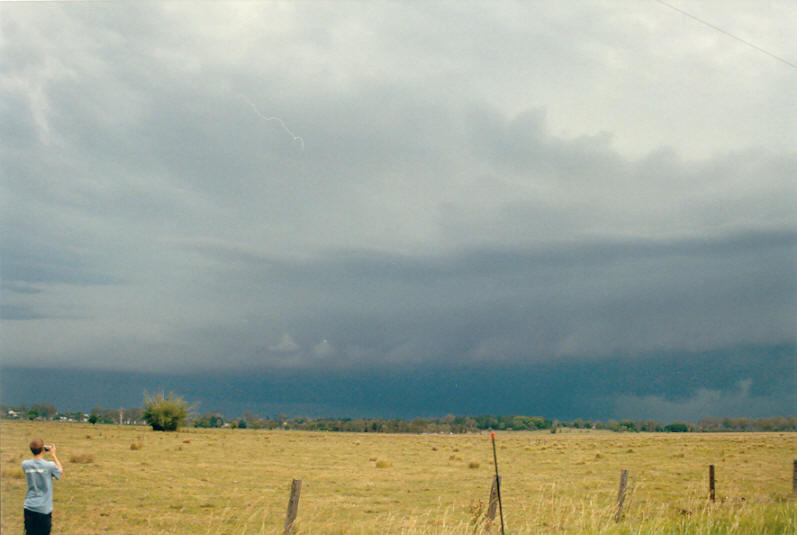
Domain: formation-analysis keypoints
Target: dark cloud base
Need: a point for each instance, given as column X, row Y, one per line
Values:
column 566, row 390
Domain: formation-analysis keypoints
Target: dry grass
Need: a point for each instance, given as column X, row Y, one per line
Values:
column 81, row 458
column 238, row 482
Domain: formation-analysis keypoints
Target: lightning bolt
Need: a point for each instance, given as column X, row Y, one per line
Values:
column 295, row 138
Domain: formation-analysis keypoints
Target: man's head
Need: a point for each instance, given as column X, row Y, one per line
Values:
column 36, row 446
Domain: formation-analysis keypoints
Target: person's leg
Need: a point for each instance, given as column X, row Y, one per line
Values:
column 37, row 523
column 30, row 523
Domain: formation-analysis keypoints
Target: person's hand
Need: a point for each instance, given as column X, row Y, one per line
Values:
column 52, row 449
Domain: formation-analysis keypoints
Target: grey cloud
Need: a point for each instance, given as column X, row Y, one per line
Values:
column 590, row 300
column 704, row 403
column 20, row 288
column 49, row 263
column 462, row 195
column 285, row 345
column 323, row 349
column 17, row 312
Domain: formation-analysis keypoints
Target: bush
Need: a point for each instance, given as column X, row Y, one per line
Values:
column 165, row 413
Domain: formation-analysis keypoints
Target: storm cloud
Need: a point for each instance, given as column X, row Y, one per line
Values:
column 479, row 185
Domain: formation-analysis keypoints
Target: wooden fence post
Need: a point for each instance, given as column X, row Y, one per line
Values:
column 293, row 505
column 621, row 495
column 492, row 506
column 794, row 480
column 711, row 486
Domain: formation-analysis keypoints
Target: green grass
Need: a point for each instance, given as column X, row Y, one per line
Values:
column 121, row 480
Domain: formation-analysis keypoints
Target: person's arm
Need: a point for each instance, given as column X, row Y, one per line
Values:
column 55, row 458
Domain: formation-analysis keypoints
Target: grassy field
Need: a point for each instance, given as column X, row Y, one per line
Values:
column 121, row 480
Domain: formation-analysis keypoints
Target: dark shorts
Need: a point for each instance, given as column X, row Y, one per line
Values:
column 37, row 523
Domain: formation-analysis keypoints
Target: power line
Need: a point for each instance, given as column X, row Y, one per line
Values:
column 729, row 34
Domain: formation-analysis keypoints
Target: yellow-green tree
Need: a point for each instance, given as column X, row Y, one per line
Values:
column 165, row 413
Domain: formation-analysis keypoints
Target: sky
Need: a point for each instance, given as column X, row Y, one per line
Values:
column 421, row 196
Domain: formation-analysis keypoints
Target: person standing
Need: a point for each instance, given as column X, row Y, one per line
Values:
column 39, row 498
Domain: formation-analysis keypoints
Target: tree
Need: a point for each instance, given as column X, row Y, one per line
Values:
column 77, row 416
column 418, row 425
column 621, row 427
column 650, row 426
column 165, row 413
column 209, row 420
column 109, row 416
column 251, row 419
column 45, row 410
column 133, row 415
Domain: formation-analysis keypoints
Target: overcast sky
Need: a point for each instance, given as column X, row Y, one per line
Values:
column 330, row 185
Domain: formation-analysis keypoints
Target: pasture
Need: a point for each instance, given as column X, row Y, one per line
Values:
column 131, row 480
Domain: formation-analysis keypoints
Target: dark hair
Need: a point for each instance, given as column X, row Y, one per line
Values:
column 36, row 446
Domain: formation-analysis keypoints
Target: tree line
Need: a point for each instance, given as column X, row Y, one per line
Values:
column 164, row 412
column 47, row 411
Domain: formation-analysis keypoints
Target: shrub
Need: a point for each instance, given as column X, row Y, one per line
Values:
column 677, row 427
column 82, row 458
column 165, row 413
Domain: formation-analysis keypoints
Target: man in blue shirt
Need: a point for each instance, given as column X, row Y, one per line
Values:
column 39, row 498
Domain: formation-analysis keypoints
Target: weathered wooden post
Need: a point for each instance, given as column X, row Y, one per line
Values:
column 293, row 506
column 497, row 482
column 794, row 480
column 621, row 495
column 492, row 506
column 711, row 491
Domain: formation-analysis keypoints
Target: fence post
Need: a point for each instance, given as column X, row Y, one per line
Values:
column 711, row 487
column 794, row 480
column 293, row 506
column 492, row 506
column 621, row 495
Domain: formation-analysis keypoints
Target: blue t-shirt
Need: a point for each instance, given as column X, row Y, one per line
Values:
column 40, row 474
